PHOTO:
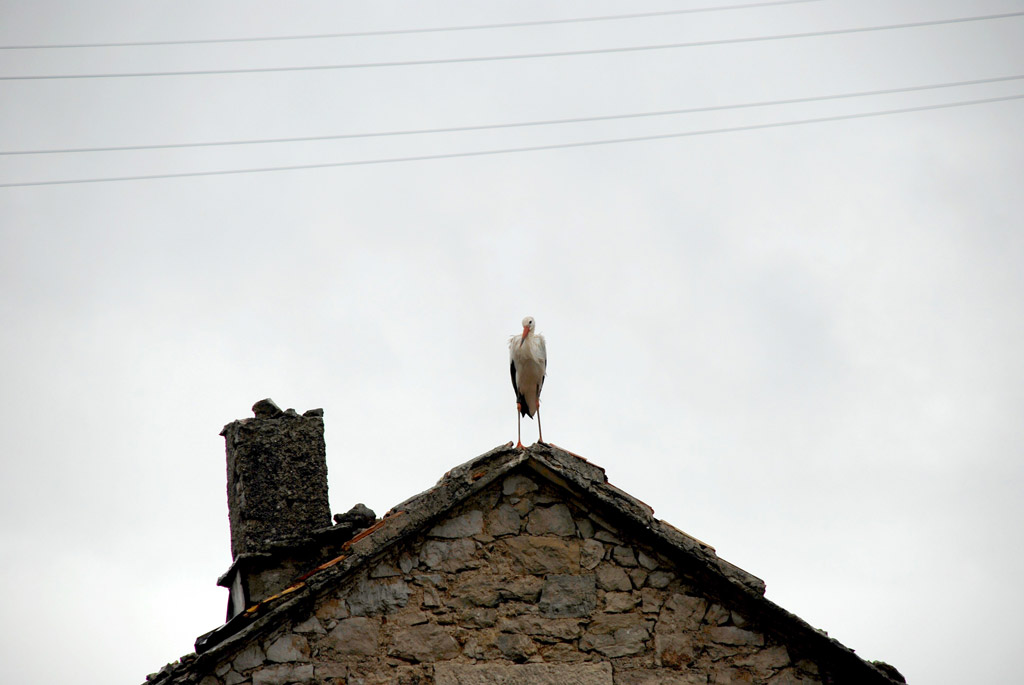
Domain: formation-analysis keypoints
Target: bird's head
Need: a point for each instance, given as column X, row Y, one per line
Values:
column 528, row 325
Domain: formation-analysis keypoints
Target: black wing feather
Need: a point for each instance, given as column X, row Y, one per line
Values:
column 520, row 400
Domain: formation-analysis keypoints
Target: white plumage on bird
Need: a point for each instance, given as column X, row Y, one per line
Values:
column 529, row 362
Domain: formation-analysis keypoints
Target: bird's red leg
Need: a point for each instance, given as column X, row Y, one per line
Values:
column 519, row 427
column 540, row 433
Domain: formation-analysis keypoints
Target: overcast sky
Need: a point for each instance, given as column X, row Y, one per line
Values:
column 799, row 343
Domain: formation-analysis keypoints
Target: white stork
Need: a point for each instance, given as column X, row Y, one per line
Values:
column 529, row 357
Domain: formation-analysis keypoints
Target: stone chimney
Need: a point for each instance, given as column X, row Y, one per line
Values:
column 277, row 477
column 277, row 499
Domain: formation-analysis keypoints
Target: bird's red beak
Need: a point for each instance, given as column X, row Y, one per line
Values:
column 526, row 329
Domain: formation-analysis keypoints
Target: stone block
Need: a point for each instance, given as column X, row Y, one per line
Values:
column 719, row 652
column 290, row 647
column 522, row 589
column 384, row 570
column 471, row 590
column 616, row 635
column 717, row 615
column 335, row 608
column 473, row 649
column 562, row 653
column 434, row 580
column 283, row 674
column 234, row 678
column 515, row 646
column 545, row 500
column 605, row 536
column 411, row 618
column 612, row 646
column 523, row 674
column 431, row 598
column 522, row 505
column 543, row 629
column 619, row 602
column 503, row 520
column 682, row 612
column 675, row 640
column 553, row 520
column 372, row 597
column 478, row 618
column 731, row 635
column 591, row 554
column 357, row 636
column 424, row 643
column 651, row 600
column 659, row 677
column 544, row 555
column 330, row 672
column 647, row 562
column 462, row 526
column 613, row 579
column 659, row 579
column 250, row 657
column 624, row 556
column 788, row 677
column 637, row 577
column 449, row 555
column 585, row 527
column 407, row 562
column 310, row 625
column 765, row 660
column 518, row 485
column 606, row 624
column 675, row 650
column 568, row 596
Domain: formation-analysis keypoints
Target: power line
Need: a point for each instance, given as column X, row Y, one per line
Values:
column 521, row 124
column 537, row 55
column 534, row 148
column 395, row 32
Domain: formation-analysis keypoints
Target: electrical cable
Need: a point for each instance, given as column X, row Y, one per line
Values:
column 534, row 148
column 521, row 124
column 538, row 55
column 395, row 32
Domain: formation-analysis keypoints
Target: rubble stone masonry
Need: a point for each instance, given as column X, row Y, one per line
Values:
column 518, row 587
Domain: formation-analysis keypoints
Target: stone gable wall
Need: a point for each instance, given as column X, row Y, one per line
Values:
column 521, row 587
